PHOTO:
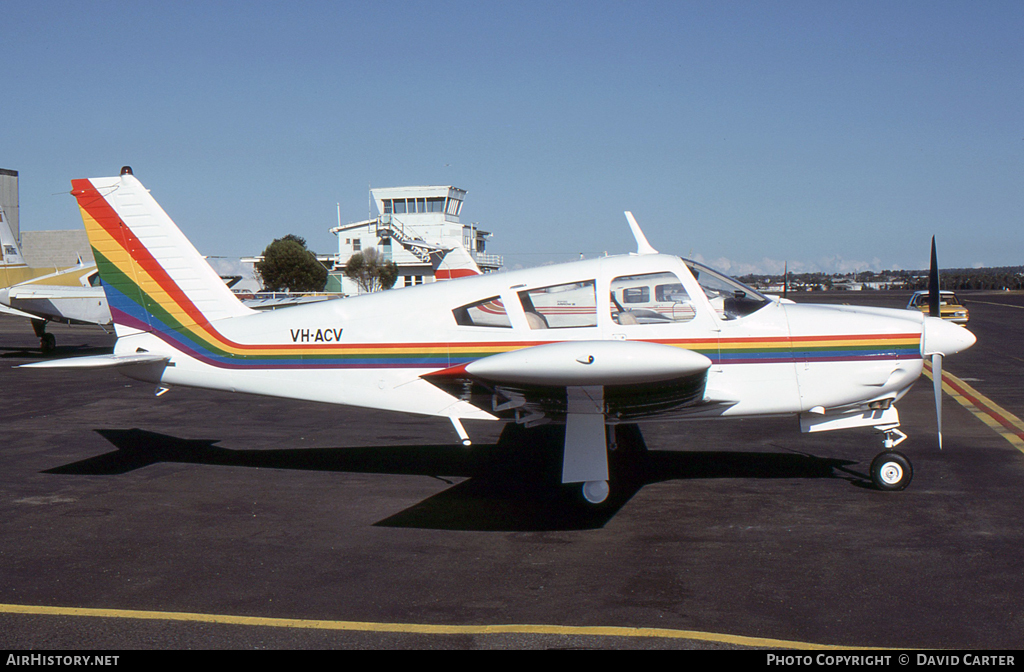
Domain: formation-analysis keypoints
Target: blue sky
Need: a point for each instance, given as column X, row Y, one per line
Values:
column 832, row 135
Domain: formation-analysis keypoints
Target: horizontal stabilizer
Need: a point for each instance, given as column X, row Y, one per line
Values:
column 51, row 292
column 98, row 361
column 7, row 310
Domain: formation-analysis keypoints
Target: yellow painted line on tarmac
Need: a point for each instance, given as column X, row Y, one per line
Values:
column 1004, row 423
column 421, row 629
column 993, row 303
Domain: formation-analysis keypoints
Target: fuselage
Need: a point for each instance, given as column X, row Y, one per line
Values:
column 768, row 357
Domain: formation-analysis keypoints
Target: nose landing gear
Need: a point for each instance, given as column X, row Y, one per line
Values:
column 891, row 471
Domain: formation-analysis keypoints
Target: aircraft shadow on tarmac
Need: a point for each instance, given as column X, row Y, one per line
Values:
column 512, row 485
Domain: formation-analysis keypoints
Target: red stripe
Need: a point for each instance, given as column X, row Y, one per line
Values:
column 100, row 210
column 445, row 274
column 846, row 337
column 991, row 412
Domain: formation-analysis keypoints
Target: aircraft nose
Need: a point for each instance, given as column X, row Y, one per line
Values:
column 944, row 338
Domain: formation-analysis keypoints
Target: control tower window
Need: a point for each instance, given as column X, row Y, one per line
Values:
column 435, row 205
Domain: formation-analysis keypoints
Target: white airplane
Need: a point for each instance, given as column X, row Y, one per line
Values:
column 69, row 295
column 557, row 344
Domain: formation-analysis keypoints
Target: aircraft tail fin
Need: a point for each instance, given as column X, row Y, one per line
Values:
column 10, row 253
column 154, row 278
column 454, row 263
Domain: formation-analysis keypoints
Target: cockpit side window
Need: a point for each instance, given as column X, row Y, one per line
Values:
column 489, row 312
column 572, row 304
column 650, row 298
column 730, row 298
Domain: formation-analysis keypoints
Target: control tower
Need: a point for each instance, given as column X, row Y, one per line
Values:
column 406, row 224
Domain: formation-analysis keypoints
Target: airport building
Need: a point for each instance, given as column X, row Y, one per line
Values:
column 406, row 225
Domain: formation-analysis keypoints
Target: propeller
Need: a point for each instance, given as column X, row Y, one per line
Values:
column 940, row 338
column 934, row 311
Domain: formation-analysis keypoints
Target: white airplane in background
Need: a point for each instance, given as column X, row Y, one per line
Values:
column 556, row 344
column 69, row 295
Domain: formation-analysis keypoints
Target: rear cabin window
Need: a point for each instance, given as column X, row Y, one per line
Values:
column 572, row 304
column 487, row 313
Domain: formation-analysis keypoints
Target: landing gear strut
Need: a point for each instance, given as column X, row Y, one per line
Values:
column 47, row 342
column 585, row 459
column 891, row 470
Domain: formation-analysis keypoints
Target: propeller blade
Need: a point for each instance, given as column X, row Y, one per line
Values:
column 937, row 387
column 933, row 284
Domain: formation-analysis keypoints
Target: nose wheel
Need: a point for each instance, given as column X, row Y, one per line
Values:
column 891, row 471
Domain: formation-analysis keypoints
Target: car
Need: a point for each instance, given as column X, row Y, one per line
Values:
column 950, row 307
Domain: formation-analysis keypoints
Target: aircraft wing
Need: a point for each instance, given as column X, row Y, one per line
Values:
column 625, row 380
column 73, row 304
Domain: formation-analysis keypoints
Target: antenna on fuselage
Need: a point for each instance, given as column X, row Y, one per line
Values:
column 642, row 246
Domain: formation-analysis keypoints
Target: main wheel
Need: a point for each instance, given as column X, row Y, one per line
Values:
column 47, row 342
column 596, row 492
column 891, row 471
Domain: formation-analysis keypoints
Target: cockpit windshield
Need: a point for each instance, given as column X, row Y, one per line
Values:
column 730, row 299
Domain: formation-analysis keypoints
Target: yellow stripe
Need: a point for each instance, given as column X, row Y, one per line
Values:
column 420, row 629
column 117, row 255
column 985, row 412
column 850, row 342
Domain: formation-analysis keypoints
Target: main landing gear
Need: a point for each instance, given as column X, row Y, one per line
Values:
column 47, row 342
column 891, row 470
column 596, row 492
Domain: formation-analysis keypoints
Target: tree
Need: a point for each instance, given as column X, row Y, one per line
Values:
column 371, row 271
column 288, row 266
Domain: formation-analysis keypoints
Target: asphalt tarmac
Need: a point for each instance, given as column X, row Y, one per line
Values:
column 207, row 520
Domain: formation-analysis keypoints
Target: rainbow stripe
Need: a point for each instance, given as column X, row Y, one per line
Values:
column 143, row 296
column 808, row 349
